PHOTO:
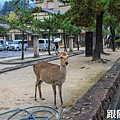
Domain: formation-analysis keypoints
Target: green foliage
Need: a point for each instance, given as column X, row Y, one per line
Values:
column 66, row 25
column 11, row 6
column 37, row 27
column 114, row 8
column 49, row 23
column 110, row 20
column 105, row 32
column 83, row 12
column 117, row 42
column 3, row 31
column 118, row 30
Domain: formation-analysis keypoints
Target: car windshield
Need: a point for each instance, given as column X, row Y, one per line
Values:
column 41, row 41
column 16, row 42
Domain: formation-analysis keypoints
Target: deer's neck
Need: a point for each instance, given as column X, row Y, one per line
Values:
column 63, row 70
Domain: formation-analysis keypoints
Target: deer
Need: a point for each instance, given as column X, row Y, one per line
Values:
column 51, row 74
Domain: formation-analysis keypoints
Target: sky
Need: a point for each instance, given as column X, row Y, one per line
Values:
column 2, row 1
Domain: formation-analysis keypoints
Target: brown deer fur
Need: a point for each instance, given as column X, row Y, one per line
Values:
column 51, row 74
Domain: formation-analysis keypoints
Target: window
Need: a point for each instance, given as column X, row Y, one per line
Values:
column 50, row 0
column 25, row 42
column 19, row 36
column 9, row 37
column 41, row 41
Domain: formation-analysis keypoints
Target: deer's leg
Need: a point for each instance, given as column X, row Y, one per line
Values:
column 60, row 94
column 39, row 88
column 36, row 85
column 35, row 91
column 54, row 91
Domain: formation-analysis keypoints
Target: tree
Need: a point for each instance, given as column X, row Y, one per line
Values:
column 3, row 31
column 52, row 26
column 114, row 18
column 12, row 16
column 111, row 20
column 49, row 24
column 21, row 22
column 66, row 26
column 84, row 13
column 114, row 8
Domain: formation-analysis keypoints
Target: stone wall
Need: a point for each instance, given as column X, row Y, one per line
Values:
column 95, row 103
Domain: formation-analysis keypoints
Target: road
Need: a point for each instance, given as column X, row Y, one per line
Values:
column 5, row 54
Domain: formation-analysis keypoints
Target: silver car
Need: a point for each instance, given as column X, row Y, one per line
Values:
column 1, row 47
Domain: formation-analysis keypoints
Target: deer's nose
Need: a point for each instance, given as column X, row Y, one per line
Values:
column 66, row 63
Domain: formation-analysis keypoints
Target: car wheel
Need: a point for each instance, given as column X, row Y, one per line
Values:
column 7, row 48
column 17, row 49
column 53, row 48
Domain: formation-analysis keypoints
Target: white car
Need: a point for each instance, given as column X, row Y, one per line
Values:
column 17, row 45
column 1, row 47
column 8, row 43
column 43, row 44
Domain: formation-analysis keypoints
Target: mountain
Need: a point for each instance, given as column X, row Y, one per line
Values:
column 1, row 6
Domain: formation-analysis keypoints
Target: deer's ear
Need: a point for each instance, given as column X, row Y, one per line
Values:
column 60, row 53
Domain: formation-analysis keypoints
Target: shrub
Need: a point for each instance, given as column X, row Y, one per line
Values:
column 117, row 42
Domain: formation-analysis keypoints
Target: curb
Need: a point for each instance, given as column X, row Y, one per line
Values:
column 32, row 62
column 8, row 62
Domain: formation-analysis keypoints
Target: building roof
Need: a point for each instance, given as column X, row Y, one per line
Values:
column 49, row 11
column 28, row 31
column 4, row 25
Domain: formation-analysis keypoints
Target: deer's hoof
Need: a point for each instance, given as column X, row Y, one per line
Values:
column 35, row 99
column 42, row 98
column 63, row 106
column 56, row 107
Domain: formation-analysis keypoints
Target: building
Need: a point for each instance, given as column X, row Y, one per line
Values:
column 48, row 6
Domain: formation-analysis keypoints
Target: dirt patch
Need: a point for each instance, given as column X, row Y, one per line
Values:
column 17, row 87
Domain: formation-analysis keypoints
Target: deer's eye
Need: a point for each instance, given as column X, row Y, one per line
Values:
column 61, row 57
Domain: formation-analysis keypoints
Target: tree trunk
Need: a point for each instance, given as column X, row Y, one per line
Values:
column 77, row 42
column 49, row 43
column 22, row 58
column 112, row 38
column 64, row 39
column 99, row 43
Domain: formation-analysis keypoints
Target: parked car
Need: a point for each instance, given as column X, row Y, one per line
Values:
column 7, row 45
column 17, row 45
column 43, row 44
column 3, row 42
column 1, row 47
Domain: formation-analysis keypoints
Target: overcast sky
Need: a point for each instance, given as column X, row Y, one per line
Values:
column 2, row 1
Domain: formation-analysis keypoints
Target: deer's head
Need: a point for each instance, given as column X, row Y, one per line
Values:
column 63, row 58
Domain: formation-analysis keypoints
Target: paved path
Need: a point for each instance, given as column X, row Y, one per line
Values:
column 12, row 63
